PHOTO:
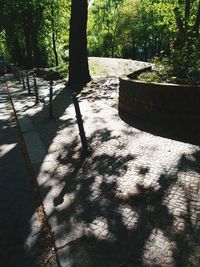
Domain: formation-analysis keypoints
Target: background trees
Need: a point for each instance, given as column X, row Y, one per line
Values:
column 185, row 55
column 141, row 29
column 22, row 23
column 36, row 33
column 104, row 27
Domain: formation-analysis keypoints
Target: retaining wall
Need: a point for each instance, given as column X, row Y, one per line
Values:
column 155, row 101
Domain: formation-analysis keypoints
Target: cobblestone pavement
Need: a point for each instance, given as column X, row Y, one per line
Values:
column 133, row 202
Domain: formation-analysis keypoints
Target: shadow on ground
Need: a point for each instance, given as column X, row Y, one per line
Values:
column 20, row 231
column 187, row 131
column 103, row 226
column 117, row 228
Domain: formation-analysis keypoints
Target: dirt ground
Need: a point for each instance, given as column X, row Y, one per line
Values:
column 100, row 66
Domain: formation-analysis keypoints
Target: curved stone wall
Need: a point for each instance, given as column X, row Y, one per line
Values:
column 155, row 101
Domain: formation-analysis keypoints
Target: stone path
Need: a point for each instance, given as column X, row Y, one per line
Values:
column 133, row 202
column 21, row 234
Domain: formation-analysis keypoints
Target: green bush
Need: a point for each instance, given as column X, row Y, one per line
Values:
column 185, row 61
column 55, row 73
column 182, row 66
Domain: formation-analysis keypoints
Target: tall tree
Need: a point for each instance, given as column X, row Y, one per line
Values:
column 188, row 25
column 78, row 57
column 105, row 25
column 53, row 33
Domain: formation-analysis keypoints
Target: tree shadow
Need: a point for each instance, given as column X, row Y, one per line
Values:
column 117, row 227
column 100, row 224
column 21, row 236
column 39, row 118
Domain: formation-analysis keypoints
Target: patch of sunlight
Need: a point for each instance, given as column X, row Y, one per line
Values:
column 96, row 69
column 99, row 228
column 158, row 249
column 129, row 217
column 34, row 231
column 4, row 149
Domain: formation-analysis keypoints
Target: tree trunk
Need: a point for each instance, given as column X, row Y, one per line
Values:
column 133, row 50
column 27, row 22
column 112, row 47
column 183, row 28
column 78, row 57
column 54, row 48
column 145, row 51
column 28, row 49
column 54, row 35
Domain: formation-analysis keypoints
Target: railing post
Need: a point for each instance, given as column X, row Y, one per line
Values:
column 23, row 82
column 80, row 124
column 51, row 99
column 28, row 84
column 19, row 76
column 36, row 89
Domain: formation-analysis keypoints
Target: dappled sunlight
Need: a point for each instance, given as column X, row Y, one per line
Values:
column 33, row 235
column 134, row 198
column 113, row 160
column 100, row 228
column 156, row 248
column 129, row 217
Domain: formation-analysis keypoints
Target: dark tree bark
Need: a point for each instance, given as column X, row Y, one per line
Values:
column 145, row 51
column 17, row 57
column 27, row 26
column 54, row 35
column 78, row 57
column 38, row 56
column 133, row 50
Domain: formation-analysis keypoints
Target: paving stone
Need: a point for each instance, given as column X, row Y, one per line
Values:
column 132, row 198
column 21, row 235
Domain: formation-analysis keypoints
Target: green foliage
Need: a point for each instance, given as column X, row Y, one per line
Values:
column 28, row 27
column 185, row 62
column 182, row 67
column 36, row 33
column 103, row 27
column 131, row 28
column 54, row 73
column 57, row 14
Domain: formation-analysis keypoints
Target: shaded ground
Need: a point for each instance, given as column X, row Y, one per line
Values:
column 21, row 235
column 133, row 202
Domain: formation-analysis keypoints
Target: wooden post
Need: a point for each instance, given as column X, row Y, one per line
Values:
column 28, row 84
column 80, row 124
column 51, row 99
column 23, row 82
column 36, row 90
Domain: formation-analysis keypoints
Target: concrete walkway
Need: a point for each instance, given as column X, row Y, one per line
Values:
column 133, row 202
column 21, row 234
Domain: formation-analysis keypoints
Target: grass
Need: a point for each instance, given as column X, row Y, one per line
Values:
column 54, row 73
column 61, row 71
column 97, row 70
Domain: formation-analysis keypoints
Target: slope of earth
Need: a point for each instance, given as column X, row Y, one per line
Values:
column 100, row 66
